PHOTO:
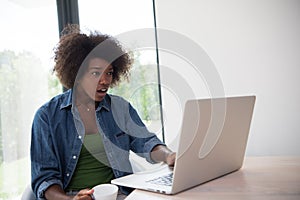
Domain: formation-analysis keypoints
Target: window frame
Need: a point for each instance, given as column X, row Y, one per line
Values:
column 68, row 13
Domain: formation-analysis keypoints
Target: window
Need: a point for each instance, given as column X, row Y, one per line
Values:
column 26, row 82
column 124, row 19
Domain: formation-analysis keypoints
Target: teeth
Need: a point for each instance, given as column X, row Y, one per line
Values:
column 103, row 90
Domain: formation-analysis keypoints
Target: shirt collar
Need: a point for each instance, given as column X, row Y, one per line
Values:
column 105, row 103
column 67, row 101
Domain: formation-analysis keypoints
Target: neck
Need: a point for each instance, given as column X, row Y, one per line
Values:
column 82, row 97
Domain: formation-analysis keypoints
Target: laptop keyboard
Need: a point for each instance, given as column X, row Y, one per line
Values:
column 163, row 180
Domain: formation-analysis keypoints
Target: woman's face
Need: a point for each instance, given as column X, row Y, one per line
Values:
column 96, row 80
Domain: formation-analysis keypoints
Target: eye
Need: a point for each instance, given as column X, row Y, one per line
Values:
column 96, row 74
column 110, row 73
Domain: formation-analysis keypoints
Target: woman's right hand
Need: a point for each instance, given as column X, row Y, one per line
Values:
column 85, row 194
column 55, row 192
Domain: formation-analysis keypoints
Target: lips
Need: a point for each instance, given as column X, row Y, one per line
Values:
column 102, row 90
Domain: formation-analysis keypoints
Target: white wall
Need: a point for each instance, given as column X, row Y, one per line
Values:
column 255, row 48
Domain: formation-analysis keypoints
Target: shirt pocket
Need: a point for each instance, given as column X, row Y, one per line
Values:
column 123, row 140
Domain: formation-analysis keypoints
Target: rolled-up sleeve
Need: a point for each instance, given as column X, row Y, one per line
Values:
column 44, row 164
column 149, row 147
column 143, row 141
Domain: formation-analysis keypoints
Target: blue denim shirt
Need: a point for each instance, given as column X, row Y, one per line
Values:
column 58, row 132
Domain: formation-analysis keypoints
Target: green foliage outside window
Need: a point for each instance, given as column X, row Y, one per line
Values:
column 141, row 90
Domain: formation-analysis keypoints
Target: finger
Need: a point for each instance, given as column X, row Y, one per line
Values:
column 91, row 191
column 85, row 192
column 84, row 197
column 171, row 159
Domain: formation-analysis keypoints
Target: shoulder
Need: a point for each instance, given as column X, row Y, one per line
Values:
column 116, row 100
column 56, row 103
column 120, row 104
column 120, row 107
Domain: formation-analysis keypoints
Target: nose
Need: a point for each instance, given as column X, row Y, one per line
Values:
column 104, row 79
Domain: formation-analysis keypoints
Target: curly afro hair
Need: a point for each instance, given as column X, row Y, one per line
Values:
column 75, row 50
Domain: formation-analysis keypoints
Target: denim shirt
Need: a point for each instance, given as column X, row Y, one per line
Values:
column 58, row 132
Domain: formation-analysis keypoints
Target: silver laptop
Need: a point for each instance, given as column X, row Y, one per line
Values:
column 212, row 143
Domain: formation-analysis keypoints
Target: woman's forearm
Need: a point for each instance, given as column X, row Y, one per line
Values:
column 161, row 153
column 57, row 193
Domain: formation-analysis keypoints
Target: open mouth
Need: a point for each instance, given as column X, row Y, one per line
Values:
column 103, row 90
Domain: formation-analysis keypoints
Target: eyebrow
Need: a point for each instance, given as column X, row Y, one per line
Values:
column 100, row 68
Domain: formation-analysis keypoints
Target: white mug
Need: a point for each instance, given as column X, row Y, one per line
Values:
column 105, row 192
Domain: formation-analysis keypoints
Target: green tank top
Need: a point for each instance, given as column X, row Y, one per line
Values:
column 92, row 167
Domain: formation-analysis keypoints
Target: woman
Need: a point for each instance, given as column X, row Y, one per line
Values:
column 82, row 138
